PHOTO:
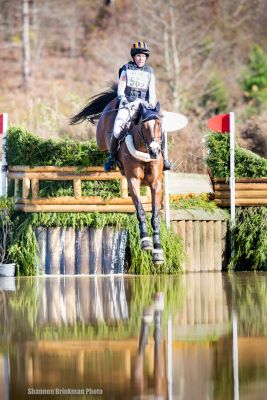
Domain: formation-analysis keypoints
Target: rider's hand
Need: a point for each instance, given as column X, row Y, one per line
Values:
column 123, row 101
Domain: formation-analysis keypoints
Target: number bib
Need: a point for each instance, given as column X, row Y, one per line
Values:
column 138, row 79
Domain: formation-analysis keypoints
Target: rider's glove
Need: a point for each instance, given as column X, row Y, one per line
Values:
column 123, row 101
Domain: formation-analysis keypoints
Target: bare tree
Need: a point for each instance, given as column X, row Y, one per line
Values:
column 26, row 42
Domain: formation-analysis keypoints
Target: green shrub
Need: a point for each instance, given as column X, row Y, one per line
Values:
column 25, row 148
column 250, row 239
column 105, row 189
column 6, row 228
column 193, row 201
column 247, row 163
column 254, row 83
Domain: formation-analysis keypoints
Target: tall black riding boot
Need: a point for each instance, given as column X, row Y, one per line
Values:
column 166, row 163
column 111, row 162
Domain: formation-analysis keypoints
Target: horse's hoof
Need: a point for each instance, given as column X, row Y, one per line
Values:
column 157, row 256
column 146, row 244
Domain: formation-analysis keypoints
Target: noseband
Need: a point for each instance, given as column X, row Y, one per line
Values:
column 154, row 144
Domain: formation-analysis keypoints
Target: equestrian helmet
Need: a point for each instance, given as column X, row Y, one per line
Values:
column 140, row 47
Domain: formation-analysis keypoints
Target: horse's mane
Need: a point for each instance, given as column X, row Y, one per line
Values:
column 95, row 106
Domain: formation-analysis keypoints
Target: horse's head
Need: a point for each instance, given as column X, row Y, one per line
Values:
column 151, row 129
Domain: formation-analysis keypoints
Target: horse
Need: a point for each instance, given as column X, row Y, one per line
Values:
column 139, row 157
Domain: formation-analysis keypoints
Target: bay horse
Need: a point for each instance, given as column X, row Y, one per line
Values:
column 139, row 157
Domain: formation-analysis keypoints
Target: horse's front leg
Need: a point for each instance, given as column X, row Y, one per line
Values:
column 134, row 187
column 156, row 194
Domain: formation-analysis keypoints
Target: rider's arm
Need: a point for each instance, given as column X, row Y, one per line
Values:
column 121, row 85
column 152, row 90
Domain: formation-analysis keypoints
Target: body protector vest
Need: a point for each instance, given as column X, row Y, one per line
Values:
column 137, row 81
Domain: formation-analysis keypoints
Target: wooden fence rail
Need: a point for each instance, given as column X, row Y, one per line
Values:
column 249, row 192
column 31, row 202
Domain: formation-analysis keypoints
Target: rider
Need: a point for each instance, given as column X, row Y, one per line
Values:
column 136, row 84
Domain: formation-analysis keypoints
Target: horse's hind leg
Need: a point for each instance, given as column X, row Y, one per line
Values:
column 134, row 187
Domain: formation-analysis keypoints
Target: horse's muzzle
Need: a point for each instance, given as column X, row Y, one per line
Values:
column 154, row 149
column 154, row 154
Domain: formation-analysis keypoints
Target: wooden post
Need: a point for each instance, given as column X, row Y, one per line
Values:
column 83, row 251
column 16, row 188
column 124, row 188
column 53, row 256
column 108, row 242
column 196, row 246
column 77, row 187
column 95, row 251
column 217, row 246
column 189, row 245
column 148, row 193
column 41, row 234
column 211, row 248
column 35, row 188
column 69, row 250
column 26, row 184
column 181, row 232
column 203, row 246
column 204, row 298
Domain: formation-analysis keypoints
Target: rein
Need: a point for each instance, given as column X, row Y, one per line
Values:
column 106, row 112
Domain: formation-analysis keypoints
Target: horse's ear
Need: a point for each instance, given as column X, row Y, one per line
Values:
column 142, row 108
column 158, row 107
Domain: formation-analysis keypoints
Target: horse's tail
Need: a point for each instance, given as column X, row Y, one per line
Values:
column 96, row 105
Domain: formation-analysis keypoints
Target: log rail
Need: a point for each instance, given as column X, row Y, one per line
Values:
column 31, row 202
column 248, row 192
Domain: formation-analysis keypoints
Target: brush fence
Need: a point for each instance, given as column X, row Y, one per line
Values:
column 248, row 192
column 204, row 237
column 30, row 201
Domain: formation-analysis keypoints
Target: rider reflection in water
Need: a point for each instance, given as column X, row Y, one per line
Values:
column 159, row 382
column 136, row 85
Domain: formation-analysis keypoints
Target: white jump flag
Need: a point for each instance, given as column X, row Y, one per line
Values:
column 3, row 163
column 225, row 123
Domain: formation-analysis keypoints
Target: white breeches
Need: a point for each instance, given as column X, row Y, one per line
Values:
column 124, row 116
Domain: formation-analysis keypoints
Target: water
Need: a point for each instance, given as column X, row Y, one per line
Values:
column 193, row 336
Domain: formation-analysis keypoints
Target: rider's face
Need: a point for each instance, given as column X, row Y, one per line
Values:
column 140, row 60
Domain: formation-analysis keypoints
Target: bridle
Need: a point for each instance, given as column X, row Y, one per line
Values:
column 149, row 146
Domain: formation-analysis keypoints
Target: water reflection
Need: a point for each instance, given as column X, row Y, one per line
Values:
column 134, row 337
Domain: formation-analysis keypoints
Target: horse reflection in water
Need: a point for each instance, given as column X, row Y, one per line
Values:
column 154, row 311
